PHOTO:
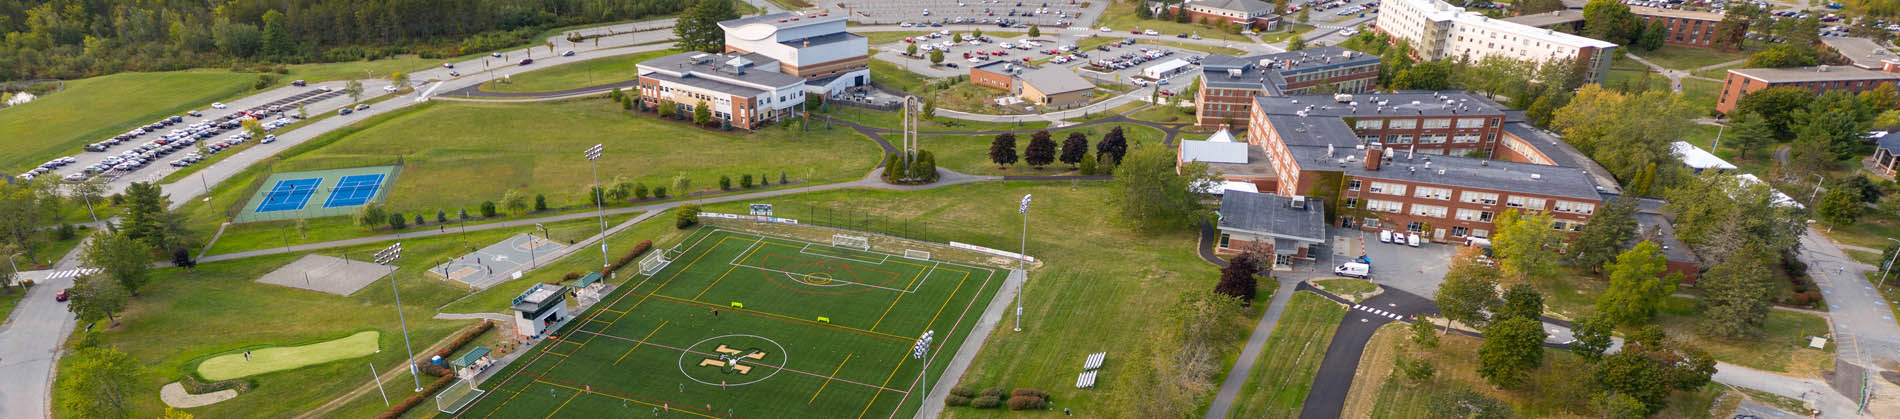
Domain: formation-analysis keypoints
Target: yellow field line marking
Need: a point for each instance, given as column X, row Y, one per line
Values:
column 609, row 310
column 946, row 300
column 643, row 402
column 834, row 373
column 742, row 257
column 781, row 316
column 570, row 399
column 887, row 383
column 900, row 297
column 504, row 403
column 623, row 314
column 643, row 341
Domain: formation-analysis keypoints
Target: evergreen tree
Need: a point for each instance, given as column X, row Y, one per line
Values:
column 698, row 29
column 1610, row 228
column 1740, row 293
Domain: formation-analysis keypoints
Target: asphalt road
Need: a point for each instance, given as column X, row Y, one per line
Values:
column 1327, row 397
column 29, row 342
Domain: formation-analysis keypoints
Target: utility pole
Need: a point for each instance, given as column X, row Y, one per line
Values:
column 387, row 257
column 1022, row 260
column 593, row 153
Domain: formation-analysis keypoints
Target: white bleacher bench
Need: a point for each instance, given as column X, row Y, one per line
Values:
column 1094, row 361
column 1086, row 380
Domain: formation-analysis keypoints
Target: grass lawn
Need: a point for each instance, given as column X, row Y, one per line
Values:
column 1634, row 79
column 1555, row 390
column 252, row 361
column 879, row 38
column 894, row 120
column 1703, row 93
column 9, row 299
column 1291, row 29
column 1121, row 16
column 93, row 109
column 535, row 148
column 1871, row 231
column 1199, row 47
column 574, row 75
column 1685, row 58
column 368, row 69
column 855, row 360
column 1099, row 288
column 1279, row 382
column 1166, row 114
column 49, row 248
column 185, row 316
column 1347, row 287
column 1783, row 348
column 970, row 154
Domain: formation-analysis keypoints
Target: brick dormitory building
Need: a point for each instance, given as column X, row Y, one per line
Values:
column 1820, row 79
column 1414, row 162
column 1229, row 83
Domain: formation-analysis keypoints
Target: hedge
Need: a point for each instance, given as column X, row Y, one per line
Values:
column 955, row 400
column 1026, row 402
column 624, row 260
column 986, row 402
column 964, row 391
column 417, row 399
column 998, row 392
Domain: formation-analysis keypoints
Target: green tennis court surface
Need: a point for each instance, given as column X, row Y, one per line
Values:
column 656, row 344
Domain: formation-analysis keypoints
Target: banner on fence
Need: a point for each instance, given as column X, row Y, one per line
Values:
column 743, row 217
column 981, row 249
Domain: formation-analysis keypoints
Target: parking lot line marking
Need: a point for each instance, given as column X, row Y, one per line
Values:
column 834, row 374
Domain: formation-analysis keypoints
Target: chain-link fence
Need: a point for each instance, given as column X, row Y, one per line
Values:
column 863, row 220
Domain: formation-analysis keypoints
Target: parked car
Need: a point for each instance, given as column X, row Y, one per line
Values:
column 569, row 53
column 1413, row 240
column 299, row 83
column 1385, row 236
column 344, row 111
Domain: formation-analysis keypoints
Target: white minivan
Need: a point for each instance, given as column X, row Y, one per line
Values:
column 1385, row 236
column 1353, row 269
column 1413, row 240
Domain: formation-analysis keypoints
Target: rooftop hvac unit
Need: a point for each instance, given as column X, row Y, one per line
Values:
column 1299, row 201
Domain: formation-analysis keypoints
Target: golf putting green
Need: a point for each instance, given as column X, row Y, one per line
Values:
column 279, row 358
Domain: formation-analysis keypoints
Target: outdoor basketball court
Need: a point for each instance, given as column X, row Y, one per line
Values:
column 495, row 262
column 744, row 325
column 326, row 274
column 320, row 193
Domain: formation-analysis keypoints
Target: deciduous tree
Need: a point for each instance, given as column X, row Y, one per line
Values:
column 1637, row 285
column 1526, row 245
column 100, row 382
column 1521, row 301
column 1041, row 150
column 1075, row 148
column 1512, row 349
column 1740, row 293
column 121, row 259
column 1469, row 292
column 1237, row 278
column 1610, row 228
column 1003, row 150
column 1149, row 193
column 1593, row 334
column 95, row 297
column 1113, row 146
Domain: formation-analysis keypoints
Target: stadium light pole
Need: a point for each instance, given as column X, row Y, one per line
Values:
column 1022, row 261
column 1884, row 269
column 593, row 153
column 386, row 257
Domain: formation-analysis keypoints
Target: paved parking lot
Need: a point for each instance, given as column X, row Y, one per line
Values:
column 314, row 100
column 1044, row 13
column 959, row 57
column 1416, row 270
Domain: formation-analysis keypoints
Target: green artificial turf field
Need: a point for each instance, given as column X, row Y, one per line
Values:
column 664, row 343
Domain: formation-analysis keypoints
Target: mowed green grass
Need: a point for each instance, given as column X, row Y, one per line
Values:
column 643, row 349
column 94, row 109
column 592, row 72
column 1099, row 288
column 459, row 155
column 279, row 358
column 1686, row 58
column 1280, row 380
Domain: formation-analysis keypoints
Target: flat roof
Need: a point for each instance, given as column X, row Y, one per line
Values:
column 1214, row 152
column 1697, row 158
column 1676, row 13
column 1548, row 19
column 1267, row 70
column 1863, row 52
column 1817, row 73
column 1657, row 229
column 1440, row 11
column 1325, row 143
column 782, row 19
column 1563, row 154
column 821, row 40
column 1258, row 166
column 1273, row 215
column 1403, row 103
column 1056, row 79
column 710, row 72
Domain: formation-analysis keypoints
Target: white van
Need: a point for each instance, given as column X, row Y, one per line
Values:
column 1385, row 236
column 1477, row 241
column 1353, row 269
column 1413, row 240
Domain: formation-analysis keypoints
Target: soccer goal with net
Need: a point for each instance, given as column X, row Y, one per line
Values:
column 456, row 396
column 917, row 254
column 855, row 242
column 653, row 263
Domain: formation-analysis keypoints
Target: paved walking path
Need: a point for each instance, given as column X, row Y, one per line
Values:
column 1237, row 376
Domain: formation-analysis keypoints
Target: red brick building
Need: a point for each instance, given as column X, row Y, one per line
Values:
column 1229, row 83
column 997, row 74
column 1335, row 148
column 1821, row 79
column 1687, row 28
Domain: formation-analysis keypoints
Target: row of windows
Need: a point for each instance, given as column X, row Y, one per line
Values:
column 1434, row 123
column 1469, row 197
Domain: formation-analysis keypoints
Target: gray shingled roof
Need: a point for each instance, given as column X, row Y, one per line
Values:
column 1273, row 215
column 1056, row 79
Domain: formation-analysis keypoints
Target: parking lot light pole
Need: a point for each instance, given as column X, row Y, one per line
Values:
column 600, row 204
column 387, row 257
column 1022, row 261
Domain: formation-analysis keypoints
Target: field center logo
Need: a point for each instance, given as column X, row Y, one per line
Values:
column 732, row 360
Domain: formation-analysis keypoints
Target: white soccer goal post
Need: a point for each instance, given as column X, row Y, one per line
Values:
column 917, row 254
column 456, row 396
column 653, row 263
column 846, row 240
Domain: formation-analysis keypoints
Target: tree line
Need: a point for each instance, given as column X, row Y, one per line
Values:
column 82, row 38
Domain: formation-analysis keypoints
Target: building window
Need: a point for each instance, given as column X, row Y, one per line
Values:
column 1432, row 193
column 1525, row 202
column 1402, row 124
column 1575, row 207
column 1479, row 198
column 1480, row 233
column 1367, row 124
column 1471, row 123
column 1428, row 211
column 1431, row 139
column 1415, row 227
column 1352, row 202
column 1557, row 225
column 1223, row 240
column 1437, row 123
column 1398, row 139
column 1388, row 188
column 1459, row 231
column 1465, row 139
column 1352, row 185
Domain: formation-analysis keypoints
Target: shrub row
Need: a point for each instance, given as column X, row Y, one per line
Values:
column 417, row 399
column 638, row 249
column 464, row 339
column 994, row 397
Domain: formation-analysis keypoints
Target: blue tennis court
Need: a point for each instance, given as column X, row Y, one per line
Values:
column 289, row 195
column 354, row 190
